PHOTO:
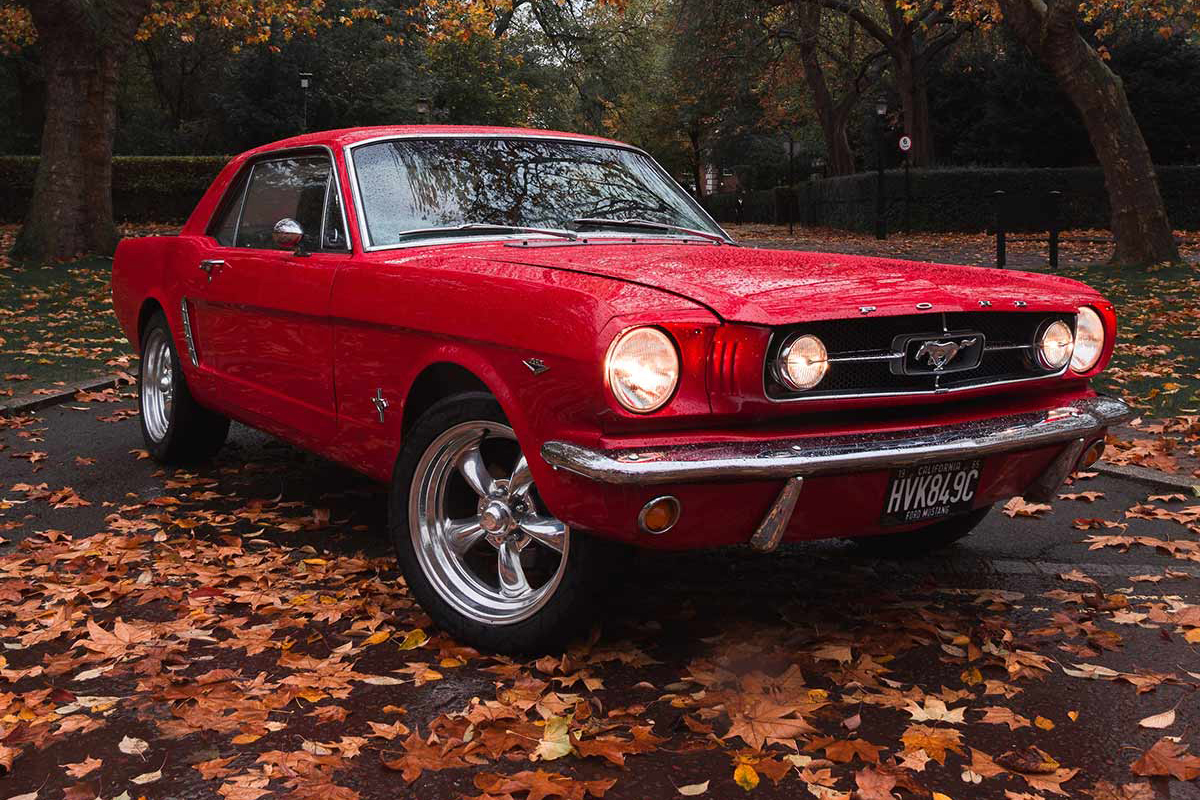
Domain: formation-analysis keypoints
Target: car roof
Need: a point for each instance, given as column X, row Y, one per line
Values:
column 348, row 136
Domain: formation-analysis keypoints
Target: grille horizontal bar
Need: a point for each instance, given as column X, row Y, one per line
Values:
column 864, row 360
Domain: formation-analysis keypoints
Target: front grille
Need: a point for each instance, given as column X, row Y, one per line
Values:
column 864, row 359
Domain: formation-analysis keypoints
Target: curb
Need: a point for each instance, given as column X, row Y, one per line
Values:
column 1151, row 477
column 35, row 402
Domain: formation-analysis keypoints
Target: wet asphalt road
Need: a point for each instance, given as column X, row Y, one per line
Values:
column 1019, row 555
column 1000, row 546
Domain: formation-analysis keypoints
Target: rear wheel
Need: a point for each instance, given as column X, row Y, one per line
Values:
column 925, row 540
column 175, row 428
column 478, row 548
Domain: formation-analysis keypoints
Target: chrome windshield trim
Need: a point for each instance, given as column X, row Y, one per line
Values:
column 540, row 238
column 352, row 175
column 482, row 227
column 829, row 455
column 648, row 225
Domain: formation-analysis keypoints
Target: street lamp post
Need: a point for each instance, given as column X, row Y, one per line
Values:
column 881, row 109
column 791, row 187
column 305, row 77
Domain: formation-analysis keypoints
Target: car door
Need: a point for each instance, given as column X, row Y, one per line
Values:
column 259, row 312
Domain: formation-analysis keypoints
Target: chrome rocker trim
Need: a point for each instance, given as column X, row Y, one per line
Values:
column 1074, row 424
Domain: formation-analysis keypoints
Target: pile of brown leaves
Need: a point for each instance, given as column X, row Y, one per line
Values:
column 204, row 636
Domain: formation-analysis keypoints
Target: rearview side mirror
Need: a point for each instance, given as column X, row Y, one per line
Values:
column 287, row 234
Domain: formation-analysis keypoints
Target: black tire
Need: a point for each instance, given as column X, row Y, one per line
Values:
column 567, row 610
column 188, row 432
column 920, row 542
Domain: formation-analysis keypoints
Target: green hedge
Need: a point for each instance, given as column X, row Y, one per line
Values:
column 145, row 188
column 945, row 200
column 166, row 188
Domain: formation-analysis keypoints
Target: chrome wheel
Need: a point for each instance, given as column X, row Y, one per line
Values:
column 158, row 384
column 478, row 529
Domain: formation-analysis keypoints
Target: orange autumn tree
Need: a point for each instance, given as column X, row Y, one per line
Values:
column 83, row 45
column 838, row 65
column 1051, row 29
column 912, row 32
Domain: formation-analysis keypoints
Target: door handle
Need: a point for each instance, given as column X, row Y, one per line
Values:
column 209, row 264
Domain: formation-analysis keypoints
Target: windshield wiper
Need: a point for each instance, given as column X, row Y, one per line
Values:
column 648, row 225
column 487, row 227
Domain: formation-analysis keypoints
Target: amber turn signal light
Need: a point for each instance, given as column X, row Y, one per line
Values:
column 1092, row 454
column 659, row 515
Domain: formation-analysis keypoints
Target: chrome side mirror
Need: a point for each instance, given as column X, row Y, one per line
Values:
column 287, row 234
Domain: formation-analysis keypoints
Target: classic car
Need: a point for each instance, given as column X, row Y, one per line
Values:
column 544, row 345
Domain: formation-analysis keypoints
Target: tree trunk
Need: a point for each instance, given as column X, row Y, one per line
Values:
column 834, row 117
column 913, row 86
column 837, row 143
column 83, row 46
column 835, row 125
column 1139, row 218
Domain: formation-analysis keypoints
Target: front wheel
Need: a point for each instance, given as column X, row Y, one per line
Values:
column 478, row 548
column 935, row 537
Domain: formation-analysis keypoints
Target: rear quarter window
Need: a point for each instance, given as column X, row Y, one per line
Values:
column 223, row 226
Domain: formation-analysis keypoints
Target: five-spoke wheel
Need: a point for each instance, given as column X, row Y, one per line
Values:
column 477, row 527
column 479, row 548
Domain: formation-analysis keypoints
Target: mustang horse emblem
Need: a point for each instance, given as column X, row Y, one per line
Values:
column 939, row 354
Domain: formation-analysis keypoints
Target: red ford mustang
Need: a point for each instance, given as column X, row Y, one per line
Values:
column 541, row 342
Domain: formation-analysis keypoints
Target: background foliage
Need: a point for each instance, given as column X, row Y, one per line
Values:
column 695, row 83
column 647, row 75
column 956, row 199
column 145, row 188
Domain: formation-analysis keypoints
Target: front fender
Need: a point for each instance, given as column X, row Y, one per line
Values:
column 395, row 318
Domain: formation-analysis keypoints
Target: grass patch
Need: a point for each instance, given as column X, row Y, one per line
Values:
column 1156, row 365
column 57, row 324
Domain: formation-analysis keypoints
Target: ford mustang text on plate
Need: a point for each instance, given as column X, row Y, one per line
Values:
column 541, row 343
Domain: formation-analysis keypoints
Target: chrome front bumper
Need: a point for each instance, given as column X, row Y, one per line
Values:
column 1073, row 425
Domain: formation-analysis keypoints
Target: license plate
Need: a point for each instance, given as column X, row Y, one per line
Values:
column 930, row 491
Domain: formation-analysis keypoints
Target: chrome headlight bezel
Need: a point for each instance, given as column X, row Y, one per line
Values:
column 620, row 365
column 1059, row 335
column 806, row 348
column 1089, row 329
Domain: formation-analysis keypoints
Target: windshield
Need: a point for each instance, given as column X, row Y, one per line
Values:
column 421, row 185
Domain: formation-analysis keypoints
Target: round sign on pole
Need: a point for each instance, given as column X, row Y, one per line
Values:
column 905, row 143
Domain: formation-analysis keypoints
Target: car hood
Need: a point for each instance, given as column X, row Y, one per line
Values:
column 769, row 287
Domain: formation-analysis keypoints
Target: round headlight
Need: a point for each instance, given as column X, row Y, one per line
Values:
column 1089, row 340
column 803, row 362
column 642, row 369
column 1056, row 345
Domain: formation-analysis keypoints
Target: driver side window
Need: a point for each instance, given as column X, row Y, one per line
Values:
column 299, row 188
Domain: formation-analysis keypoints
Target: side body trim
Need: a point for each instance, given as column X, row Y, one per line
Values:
column 187, row 331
